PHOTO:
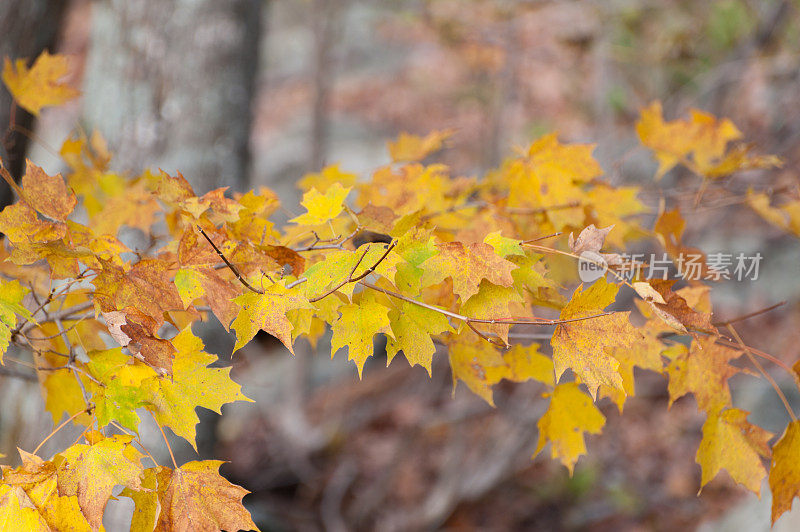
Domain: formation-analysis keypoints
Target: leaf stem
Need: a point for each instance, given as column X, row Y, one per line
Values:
column 87, row 410
column 760, row 368
column 228, row 263
column 169, row 448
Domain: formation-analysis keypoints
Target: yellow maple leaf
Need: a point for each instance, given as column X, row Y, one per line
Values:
column 584, row 346
column 18, row 513
column 173, row 399
column 326, row 178
column 357, row 325
column 412, row 328
column 90, row 472
column 700, row 143
column 703, row 370
column 522, row 363
column 784, row 473
column 413, row 148
column 322, row 207
column 471, row 358
column 38, row 86
column 11, row 294
column 786, row 216
column 494, row 302
column 267, row 312
column 21, row 224
column 571, row 414
column 730, row 442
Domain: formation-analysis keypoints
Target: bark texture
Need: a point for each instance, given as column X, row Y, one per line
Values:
column 26, row 28
column 170, row 83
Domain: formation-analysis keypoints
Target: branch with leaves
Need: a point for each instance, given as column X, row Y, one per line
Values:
column 108, row 332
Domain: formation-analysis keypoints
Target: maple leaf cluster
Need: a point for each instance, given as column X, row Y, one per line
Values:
column 452, row 265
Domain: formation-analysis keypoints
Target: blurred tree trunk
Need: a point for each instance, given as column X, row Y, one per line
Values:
column 170, row 84
column 26, row 28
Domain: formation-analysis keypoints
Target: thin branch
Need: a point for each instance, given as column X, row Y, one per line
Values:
column 503, row 321
column 66, row 314
column 748, row 316
column 329, row 243
column 228, row 263
column 760, row 368
column 545, row 237
column 778, row 362
column 297, row 282
column 61, row 426
column 350, row 278
column 8, row 372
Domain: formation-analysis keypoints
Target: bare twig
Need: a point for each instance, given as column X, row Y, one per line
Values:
column 88, row 410
column 8, row 372
column 350, row 278
column 761, row 369
column 748, row 316
column 228, row 263
column 66, row 314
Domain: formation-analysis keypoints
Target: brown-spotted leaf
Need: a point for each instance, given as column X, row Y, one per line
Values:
column 584, row 346
column 467, row 265
column 20, row 223
column 146, row 286
column 703, row 370
column 474, row 361
column 267, row 312
column 196, row 497
column 47, row 194
column 38, row 481
column 90, row 472
column 197, row 282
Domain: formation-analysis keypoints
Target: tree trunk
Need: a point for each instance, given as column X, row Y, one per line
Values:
column 169, row 83
column 27, row 27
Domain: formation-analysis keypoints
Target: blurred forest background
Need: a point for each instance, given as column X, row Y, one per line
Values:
column 249, row 93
